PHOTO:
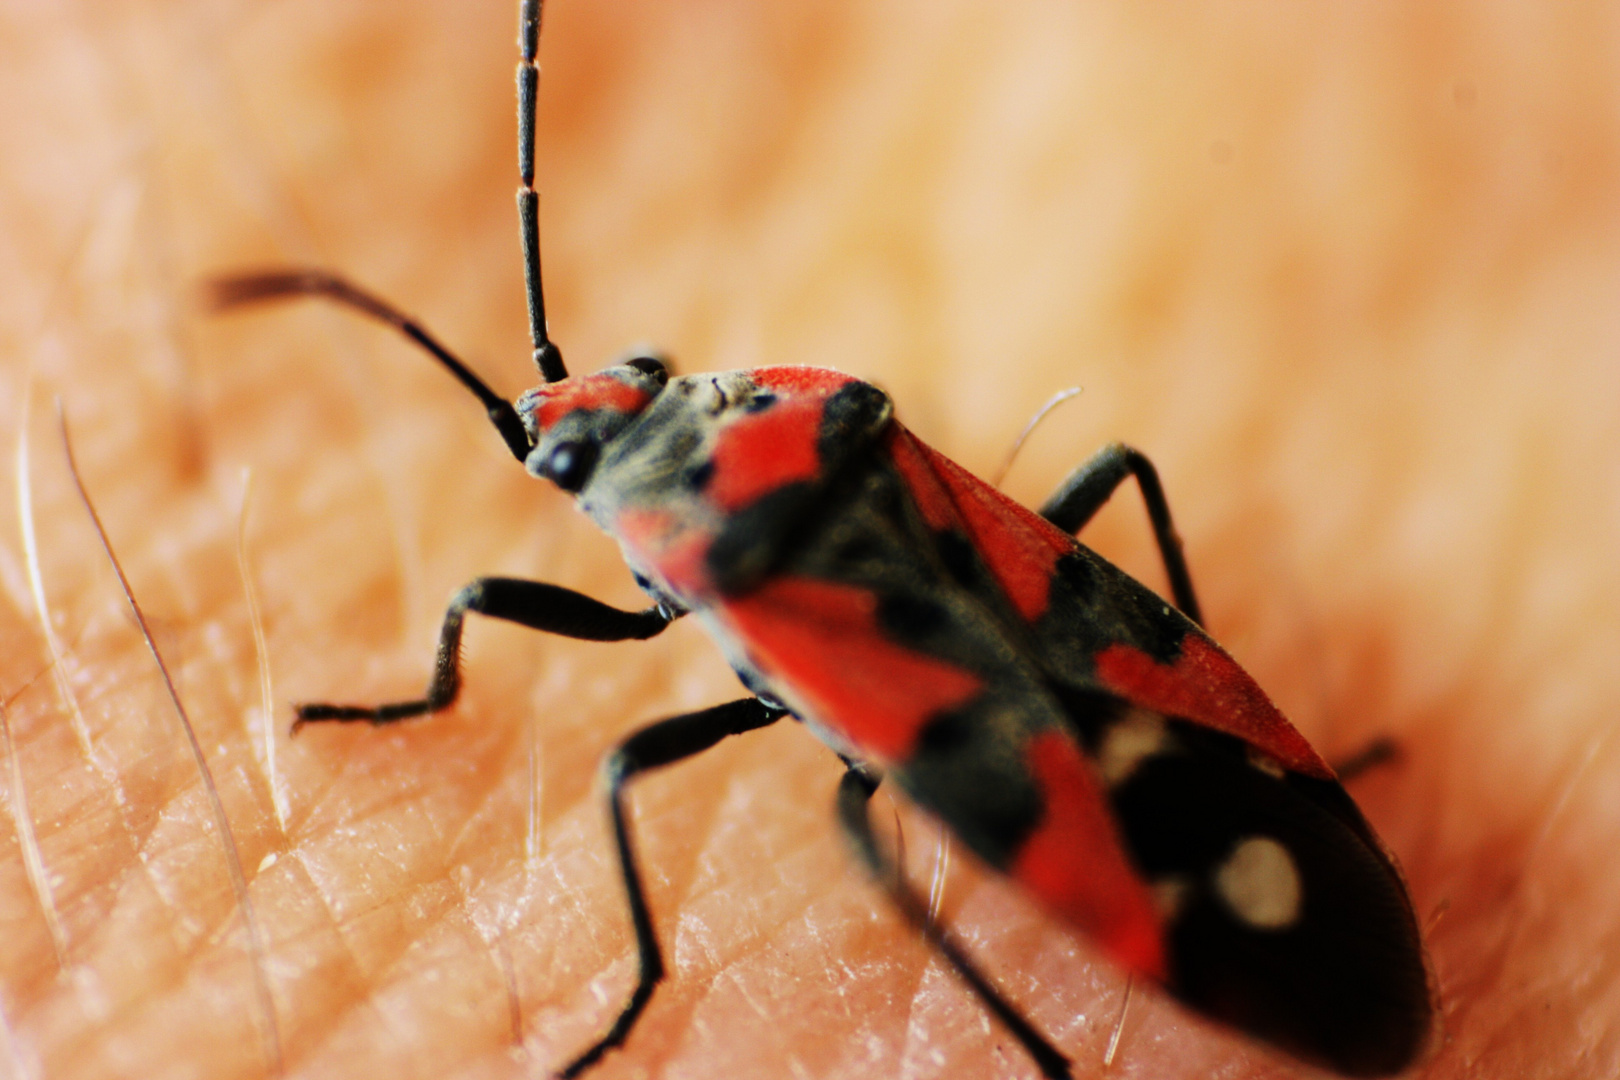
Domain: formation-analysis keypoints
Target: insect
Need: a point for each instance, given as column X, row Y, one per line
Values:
column 1074, row 730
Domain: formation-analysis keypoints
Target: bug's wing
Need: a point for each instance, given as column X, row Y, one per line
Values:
column 1094, row 627
column 1282, row 913
column 1079, row 734
column 861, row 631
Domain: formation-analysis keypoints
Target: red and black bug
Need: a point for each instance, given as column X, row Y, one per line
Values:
column 1073, row 729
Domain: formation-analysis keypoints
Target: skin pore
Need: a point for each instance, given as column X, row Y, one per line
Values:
column 1347, row 276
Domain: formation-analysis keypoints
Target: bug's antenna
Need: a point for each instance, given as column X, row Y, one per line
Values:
column 547, row 357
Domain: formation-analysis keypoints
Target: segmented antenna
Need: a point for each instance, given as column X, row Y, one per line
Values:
column 547, row 357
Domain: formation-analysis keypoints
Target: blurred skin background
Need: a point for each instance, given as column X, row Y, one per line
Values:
column 1347, row 274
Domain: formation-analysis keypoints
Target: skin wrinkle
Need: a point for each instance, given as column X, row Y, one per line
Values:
column 514, row 996
column 354, row 969
column 463, row 916
column 19, row 1067
column 195, row 940
column 381, row 981
column 1359, row 343
column 915, row 1044
column 375, row 974
column 186, row 937
column 494, row 943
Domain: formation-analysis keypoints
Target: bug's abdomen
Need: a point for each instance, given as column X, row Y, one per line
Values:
column 1283, row 916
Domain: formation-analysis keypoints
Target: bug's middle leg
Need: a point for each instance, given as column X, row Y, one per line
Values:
column 661, row 743
column 1079, row 498
column 854, row 793
column 534, row 604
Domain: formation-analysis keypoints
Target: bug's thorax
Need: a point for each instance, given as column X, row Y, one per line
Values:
column 722, row 458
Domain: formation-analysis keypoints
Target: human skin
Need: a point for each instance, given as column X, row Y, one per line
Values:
column 1347, row 276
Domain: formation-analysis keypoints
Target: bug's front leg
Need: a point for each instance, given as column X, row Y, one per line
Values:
column 534, row 604
column 854, row 793
column 661, row 743
column 1079, row 498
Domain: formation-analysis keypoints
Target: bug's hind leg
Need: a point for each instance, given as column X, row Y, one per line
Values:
column 534, row 604
column 854, row 793
column 1381, row 751
column 1079, row 498
column 661, row 743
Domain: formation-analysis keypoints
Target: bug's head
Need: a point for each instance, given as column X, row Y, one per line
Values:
column 569, row 421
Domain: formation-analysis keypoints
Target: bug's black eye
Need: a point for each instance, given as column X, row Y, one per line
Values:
column 650, row 365
column 569, row 464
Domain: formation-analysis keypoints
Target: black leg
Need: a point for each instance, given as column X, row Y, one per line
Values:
column 1079, row 497
column 661, row 743
column 854, row 792
column 230, row 292
column 534, row 604
column 1380, row 752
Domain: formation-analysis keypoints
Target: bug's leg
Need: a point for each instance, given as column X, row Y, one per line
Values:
column 534, row 604
column 659, row 743
column 1379, row 752
column 230, row 292
column 1079, row 497
column 854, row 793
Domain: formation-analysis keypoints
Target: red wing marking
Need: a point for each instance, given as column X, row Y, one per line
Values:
column 821, row 640
column 820, row 382
column 599, row 391
column 757, row 454
column 1074, row 861
column 658, row 541
column 1022, row 550
column 926, row 490
column 1020, row 547
column 1207, row 686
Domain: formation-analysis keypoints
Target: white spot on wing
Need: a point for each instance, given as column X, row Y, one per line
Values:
column 1260, row 883
column 1128, row 742
column 1266, row 763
